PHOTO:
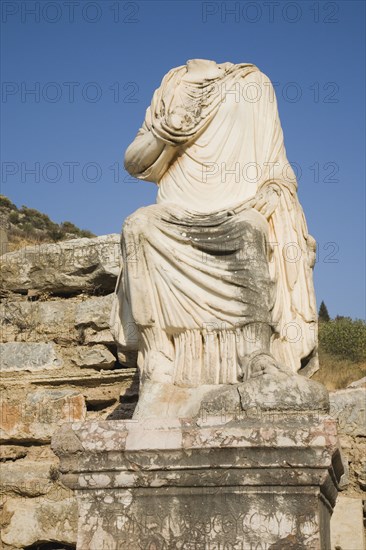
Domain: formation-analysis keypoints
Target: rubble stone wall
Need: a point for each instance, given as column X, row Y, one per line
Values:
column 59, row 364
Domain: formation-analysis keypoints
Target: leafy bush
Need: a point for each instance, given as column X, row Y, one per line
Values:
column 344, row 337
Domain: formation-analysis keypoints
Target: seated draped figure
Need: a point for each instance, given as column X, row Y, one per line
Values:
column 216, row 285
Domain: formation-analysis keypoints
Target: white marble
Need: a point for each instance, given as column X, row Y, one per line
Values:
column 217, row 280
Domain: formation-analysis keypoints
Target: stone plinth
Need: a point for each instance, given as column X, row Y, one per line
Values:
column 347, row 524
column 261, row 481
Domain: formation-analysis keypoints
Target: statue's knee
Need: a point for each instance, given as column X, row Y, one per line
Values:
column 137, row 223
column 255, row 219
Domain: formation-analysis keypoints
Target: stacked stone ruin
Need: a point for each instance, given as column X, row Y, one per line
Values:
column 60, row 364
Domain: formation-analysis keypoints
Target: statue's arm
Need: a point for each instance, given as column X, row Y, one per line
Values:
column 277, row 175
column 143, row 152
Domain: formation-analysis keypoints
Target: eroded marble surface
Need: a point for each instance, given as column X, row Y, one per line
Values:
column 210, row 482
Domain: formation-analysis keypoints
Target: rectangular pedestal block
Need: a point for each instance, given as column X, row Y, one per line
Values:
column 238, row 485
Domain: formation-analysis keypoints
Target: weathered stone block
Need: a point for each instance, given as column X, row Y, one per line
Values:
column 26, row 478
column 349, row 408
column 37, row 321
column 290, row 394
column 96, row 357
column 64, row 268
column 60, row 320
column 28, row 356
column 12, row 452
column 92, row 336
column 203, row 484
column 94, row 312
column 40, row 415
column 34, row 520
column 57, row 320
column 347, row 524
column 361, row 383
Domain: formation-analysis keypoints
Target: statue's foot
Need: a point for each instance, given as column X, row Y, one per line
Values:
column 157, row 367
column 263, row 363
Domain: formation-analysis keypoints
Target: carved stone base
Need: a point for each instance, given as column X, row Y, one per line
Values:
column 279, row 393
column 215, row 483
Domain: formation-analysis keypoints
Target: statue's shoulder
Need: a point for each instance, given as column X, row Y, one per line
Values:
column 251, row 72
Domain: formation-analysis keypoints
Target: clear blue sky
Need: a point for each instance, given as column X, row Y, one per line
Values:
column 94, row 66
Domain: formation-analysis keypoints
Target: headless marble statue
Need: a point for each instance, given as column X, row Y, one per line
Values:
column 216, row 286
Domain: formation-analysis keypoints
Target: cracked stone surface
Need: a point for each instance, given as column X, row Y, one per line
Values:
column 207, row 481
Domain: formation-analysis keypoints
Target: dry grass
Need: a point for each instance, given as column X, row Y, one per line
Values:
column 337, row 373
column 18, row 242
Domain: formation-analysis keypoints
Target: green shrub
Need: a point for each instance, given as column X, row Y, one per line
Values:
column 68, row 228
column 37, row 219
column 344, row 337
column 6, row 203
column 14, row 217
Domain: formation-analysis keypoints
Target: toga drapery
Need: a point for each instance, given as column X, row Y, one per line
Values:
column 203, row 266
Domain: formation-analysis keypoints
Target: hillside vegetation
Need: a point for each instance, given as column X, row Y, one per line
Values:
column 24, row 226
column 342, row 352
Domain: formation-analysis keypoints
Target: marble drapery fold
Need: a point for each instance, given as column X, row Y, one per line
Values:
column 219, row 162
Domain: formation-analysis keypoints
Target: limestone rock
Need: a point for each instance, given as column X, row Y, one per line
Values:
column 42, row 519
column 26, row 478
column 361, row 383
column 62, row 320
column 37, row 418
column 282, row 392
column 38, row 321
column 64, row 440
column 92, row 336
column 345, row 478
column 96, row 357
column 28, row 356
column 346, row 524
column 12, row 452
column 16, row 318
column 353, row 452
column 56, row 320
column 64, row 268
column 94, row 312
column 349, row 408
column 361, row 476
